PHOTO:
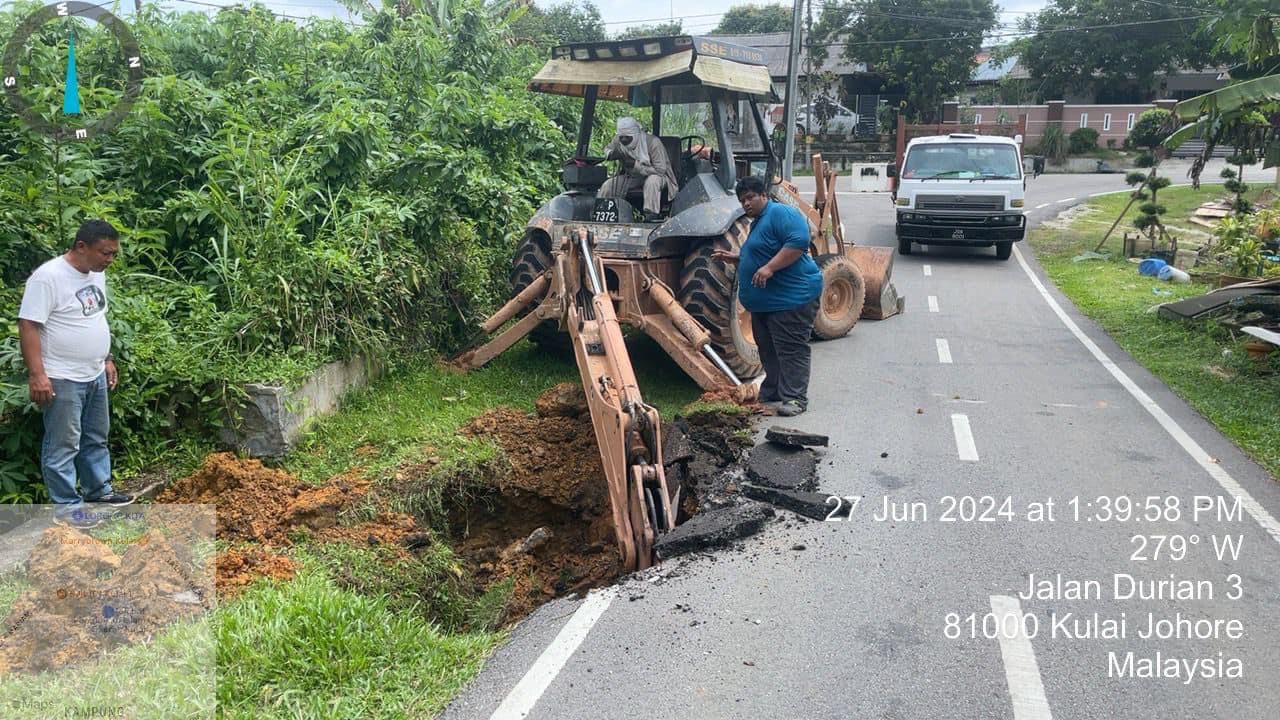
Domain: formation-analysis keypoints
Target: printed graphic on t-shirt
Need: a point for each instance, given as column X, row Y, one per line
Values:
column 91, row 299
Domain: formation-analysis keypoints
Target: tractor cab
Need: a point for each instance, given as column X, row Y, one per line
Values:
column 703, row 99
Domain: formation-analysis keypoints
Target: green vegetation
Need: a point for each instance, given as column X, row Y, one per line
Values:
column 288, row 194
column 308, row 649
column 1203, row 363
column 1082, row 141
column 170, row 678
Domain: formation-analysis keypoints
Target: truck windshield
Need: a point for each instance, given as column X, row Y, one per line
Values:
column 976, row 161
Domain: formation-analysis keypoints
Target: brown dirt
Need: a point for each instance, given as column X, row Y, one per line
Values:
column 261, row 504
column 238, row 568
column 546, row 525
column 87, row 600
column 264, row 505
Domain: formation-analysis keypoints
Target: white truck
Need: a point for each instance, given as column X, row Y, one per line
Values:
column 960, row 189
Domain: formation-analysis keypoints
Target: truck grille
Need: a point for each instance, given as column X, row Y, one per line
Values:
column 960, row 202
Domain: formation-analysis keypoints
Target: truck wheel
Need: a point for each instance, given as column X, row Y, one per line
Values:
column 1004, row 250
column 904, row 246
column 532, row 258
column 843, row 294
column 709, row 292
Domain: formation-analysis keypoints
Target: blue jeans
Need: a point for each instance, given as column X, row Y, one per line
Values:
column 75, row 441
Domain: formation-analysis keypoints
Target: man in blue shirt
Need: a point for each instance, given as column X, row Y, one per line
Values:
column 781, row 285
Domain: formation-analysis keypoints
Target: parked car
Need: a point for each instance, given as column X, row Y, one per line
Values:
column 840, row 120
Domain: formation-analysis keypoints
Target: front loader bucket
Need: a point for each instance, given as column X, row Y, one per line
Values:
column 876, row 264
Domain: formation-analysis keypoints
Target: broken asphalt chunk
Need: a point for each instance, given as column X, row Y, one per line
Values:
column 809, row 504
column 713, row 529
column 795, row 438
column 781, row 466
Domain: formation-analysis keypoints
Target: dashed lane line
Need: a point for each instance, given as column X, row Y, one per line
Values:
column 965, row 446
column 944, row 351
column 928, row 270
column 933, row 303
column 1021, row 670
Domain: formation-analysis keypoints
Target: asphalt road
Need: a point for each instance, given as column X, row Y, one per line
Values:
column 855, row 625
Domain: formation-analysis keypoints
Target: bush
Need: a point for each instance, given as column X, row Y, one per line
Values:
column 1082, row 141
column 287, row 195
column 1053, row 144
column 1151, row 128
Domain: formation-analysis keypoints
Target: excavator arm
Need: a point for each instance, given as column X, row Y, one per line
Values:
column 628, row 430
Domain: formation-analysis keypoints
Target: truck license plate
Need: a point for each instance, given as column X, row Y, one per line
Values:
column 605, row 211
column 957, row 235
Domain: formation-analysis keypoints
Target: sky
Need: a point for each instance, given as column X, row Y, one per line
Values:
column 698, row 16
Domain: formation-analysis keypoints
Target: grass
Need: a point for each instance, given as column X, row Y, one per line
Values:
column 419, row 410
column 1203, row 363
column 170, row 678
column 308, row 649
column 359, row 634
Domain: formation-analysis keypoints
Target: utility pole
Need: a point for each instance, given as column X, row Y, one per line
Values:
column 793, row 58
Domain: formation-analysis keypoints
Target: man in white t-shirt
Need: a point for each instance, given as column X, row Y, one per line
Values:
column 66, row 346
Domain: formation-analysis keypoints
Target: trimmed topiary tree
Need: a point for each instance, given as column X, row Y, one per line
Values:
column 1082, row 141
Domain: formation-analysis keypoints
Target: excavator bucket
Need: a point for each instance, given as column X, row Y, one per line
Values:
column 876, row 264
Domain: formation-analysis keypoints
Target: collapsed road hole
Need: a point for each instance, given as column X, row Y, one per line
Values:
column 537, row 517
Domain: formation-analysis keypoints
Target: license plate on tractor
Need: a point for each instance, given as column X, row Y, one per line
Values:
column 605, row 211
column 957, row 235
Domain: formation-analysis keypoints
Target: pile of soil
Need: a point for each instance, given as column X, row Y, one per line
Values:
column 261, row 504
column 267, row 506
column 86, row 600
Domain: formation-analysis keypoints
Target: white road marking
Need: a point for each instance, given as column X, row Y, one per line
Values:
column 1021, row 670
column 964, row 437
column 525, row 694
column 1109, row 192
column 944, row 351
column 928, row 270
column 933, row 303
column 1043, row 205
column 1067, row 200
column 1062, row 405
column 1197, row 453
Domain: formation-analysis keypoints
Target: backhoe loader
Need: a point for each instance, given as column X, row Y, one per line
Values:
column 589, row 264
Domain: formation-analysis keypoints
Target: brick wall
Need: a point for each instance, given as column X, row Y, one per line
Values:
column 1112, row 122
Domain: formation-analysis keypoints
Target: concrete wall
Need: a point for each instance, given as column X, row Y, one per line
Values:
column 1111, row 121
column 270, row 418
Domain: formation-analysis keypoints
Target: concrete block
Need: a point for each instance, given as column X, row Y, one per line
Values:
column 809, row 504
column 269, row 419
column 713, row 529
column 784, row 467
column 795, row 438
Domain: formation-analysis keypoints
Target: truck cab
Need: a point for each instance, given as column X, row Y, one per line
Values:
column 960, row 189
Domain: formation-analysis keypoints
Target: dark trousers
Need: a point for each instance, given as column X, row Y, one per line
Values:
column 783, row 339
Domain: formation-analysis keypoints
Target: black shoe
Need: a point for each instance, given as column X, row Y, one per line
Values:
column 652, row 217
column 114, row 499
column 79, row 519
column 790, row 408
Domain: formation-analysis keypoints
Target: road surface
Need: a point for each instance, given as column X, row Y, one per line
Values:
column 990, row 396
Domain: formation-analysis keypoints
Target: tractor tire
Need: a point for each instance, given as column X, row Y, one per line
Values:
column 1004, row 250
column 843, row 293
column 532, row 258
column 709, row 292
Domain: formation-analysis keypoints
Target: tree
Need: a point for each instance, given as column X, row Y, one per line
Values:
column 1114, row 48
column 1246, row 28
column 656, row 30
column 563, row 22
column 924, row 46
column 752, row 19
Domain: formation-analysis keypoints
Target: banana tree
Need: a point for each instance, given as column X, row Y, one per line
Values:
column 1245, row 115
